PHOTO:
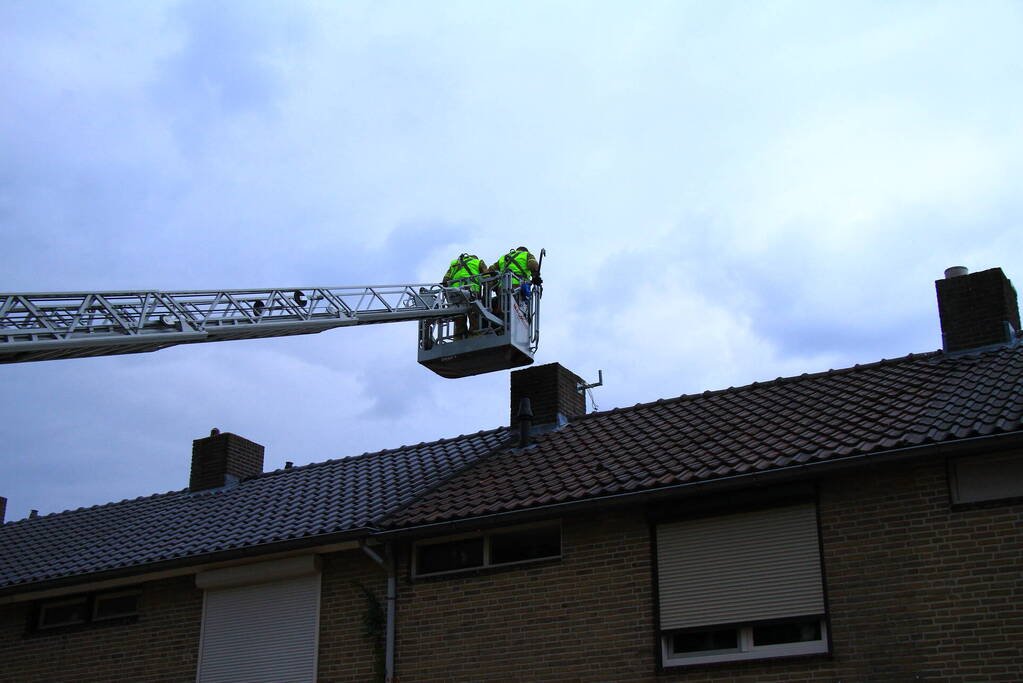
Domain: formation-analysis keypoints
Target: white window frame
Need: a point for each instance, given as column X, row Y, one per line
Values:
column 485, row 535
column 746, row 649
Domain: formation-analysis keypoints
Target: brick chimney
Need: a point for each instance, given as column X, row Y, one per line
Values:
column 223, row 459
column 976, row 310
column 3, row 509
column 553, row 393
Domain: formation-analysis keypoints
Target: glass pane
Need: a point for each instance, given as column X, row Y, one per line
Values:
column 110, row 606
column 787, row 632
column 702, row 641
column 528, row 544
column 62, row 613
column 444, row 557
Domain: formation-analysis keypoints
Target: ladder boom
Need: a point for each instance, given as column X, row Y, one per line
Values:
column 48, row 326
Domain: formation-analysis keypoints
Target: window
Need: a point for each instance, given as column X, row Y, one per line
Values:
column 86, row 609
column 450, row 556
column 717, row 644
column 987, row 477
column 741, row 586
column 64, row 612
column 498, row 548
column 115, row 605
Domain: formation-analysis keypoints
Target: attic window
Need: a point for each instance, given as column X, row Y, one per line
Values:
column 495, row 549
column 86, row 609
column 985, row 478
column 64, row 612
column 115, row 605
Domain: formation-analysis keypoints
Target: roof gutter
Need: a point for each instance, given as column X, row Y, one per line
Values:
column 763, row 478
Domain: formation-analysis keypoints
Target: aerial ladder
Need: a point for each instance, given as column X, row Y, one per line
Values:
column 503, row 320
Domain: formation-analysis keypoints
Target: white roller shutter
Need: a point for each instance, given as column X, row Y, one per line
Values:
column 740, row 568
column 261, row 633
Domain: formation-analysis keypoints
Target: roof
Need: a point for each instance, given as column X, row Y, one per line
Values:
column 866, row 410
column 314, row 501
column 908, row 402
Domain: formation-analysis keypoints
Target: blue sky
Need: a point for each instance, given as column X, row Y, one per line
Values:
column 727, row 192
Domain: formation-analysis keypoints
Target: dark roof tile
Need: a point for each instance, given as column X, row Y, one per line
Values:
column 813, row 418
column 869, row 408
column 324, row 498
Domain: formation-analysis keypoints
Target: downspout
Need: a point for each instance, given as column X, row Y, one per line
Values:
column 387, row 563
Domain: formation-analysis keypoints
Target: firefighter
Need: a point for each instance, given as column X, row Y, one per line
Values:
column 463, row 272
column 524, row 269
column 521, row 264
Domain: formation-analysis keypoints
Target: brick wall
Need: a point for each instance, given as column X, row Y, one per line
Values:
column 556, row 621
column 917, row 592
column 219, row 456
column 346, row 653
column 551, row 389
column 163, row 644
column 160, row 646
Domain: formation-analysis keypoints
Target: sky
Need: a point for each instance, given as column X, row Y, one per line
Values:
column 727, row 192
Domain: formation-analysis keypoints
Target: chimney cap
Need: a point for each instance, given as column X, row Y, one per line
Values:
column 956, row 271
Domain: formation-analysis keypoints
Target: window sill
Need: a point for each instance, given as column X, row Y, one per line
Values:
column 984, row 504
column 77, row 628
column 485, row 571
column 674, row 666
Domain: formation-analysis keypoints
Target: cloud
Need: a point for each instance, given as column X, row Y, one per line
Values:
column 726, row 193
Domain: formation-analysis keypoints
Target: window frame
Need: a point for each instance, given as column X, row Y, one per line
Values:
column 99, row 597
column 90, row 603
column 45, row 605
column 486, row 536
column 747, row 649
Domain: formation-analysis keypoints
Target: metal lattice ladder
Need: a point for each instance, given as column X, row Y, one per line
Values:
column 46, row 326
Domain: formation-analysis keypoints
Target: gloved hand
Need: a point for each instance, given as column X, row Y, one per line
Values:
column 537, row 280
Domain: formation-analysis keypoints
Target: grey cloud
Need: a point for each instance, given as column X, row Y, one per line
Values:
column 224, row 67
column 230, row 144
